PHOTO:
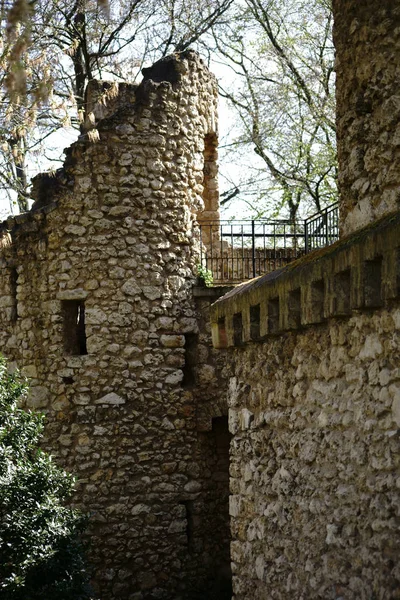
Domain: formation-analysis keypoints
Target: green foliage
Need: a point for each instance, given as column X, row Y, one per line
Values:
column 40, row 553
column 205, row 276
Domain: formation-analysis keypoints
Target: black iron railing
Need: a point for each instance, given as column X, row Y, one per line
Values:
column 322, row 229
column 240, row 250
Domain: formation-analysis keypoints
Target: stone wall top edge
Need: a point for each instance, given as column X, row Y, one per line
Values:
column 176, row 58
column 61, row 179
column 357, row 272
column 23, row 223
column 166, row 73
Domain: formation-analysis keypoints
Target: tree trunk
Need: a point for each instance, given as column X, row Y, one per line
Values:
column 17, row 146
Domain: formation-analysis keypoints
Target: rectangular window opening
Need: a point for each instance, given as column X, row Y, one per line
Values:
column 294, row 309
column 73, row 312
column 317, row 300
column 255, row 322
column 273, row 315
column 189, row 516
column 222, row 437
column 222, row 337
column 373, row 282
column 191, row 343
column 398, row 271
column 13, row 294
column 342, row 285
column 237, row 329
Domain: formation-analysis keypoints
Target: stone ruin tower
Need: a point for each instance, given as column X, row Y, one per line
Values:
column 97, row 308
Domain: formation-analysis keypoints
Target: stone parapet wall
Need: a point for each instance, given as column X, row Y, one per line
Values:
column 314, row 413
column 359, row 272
column 97, row 309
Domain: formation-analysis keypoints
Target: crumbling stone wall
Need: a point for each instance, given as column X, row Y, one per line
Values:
column 314, row 411
column 367, row 41
column 97, row 308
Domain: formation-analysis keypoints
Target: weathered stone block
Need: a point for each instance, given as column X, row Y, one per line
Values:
column 111, row 399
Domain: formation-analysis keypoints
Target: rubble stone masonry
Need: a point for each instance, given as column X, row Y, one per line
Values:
column 315, row 463
column 367, row 41
column 314, row 410
column 97, row 308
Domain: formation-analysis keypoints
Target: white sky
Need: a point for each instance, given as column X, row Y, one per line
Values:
column 65, row 137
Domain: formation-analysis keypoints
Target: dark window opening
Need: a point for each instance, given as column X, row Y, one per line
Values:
column 373, row 282
column 317, row 300
column 398, row 271
column 294, row 306
column 273, row 315
column 237, row 329
column 222, row 337
column 189, row 516
column 13, row 293
column 222, row 438
column 255, row 322
column 222, row 585
column 74, row 327
column 191, row 343
column 342, row 304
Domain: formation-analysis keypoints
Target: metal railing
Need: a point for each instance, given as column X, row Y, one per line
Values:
column 322, row 229
column 240, row 250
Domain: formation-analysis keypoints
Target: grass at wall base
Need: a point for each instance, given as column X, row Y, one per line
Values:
column 41, row 556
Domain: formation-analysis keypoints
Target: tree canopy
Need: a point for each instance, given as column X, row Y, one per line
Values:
column 282, row 89
column 278, row 79
column 54, row 47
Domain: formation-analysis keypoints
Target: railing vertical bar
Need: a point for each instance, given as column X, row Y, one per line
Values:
column 201, row 246
column 264, row 251
column 241, row 270
column 232, row 253
column 231, row 258
column 253, row 247
column 305, row 236
column 220, row 263
column 313, row 241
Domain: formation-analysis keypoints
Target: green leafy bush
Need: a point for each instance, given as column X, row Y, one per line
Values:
column 205, row 276
column 41, row 556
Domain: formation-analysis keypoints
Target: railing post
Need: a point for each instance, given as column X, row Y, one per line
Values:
column 305, row 236
column 326, row 219
column 201, row 245
column 253, row 247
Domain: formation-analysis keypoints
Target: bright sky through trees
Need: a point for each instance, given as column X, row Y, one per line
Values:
column 274, row 62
